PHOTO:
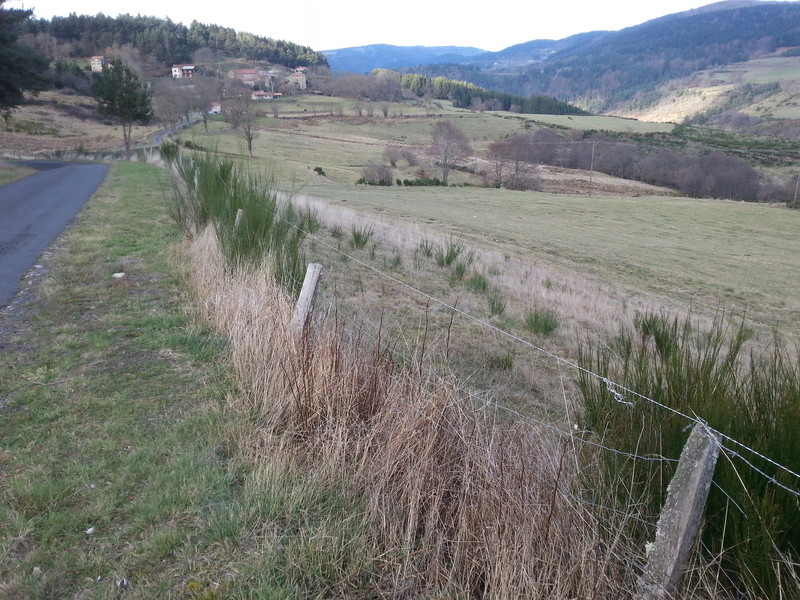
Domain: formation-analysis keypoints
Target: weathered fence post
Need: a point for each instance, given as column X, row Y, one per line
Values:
column 680, row 517
column 238, row 221
column 305, row 303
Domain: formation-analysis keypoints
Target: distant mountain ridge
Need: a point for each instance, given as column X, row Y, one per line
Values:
column 363, row 59
column 602, row 69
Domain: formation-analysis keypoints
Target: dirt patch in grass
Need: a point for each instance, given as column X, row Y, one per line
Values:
column 54, row 121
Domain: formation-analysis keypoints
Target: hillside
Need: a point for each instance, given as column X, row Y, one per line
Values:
column 363, row 59
column 662, row 69
column 159, row 39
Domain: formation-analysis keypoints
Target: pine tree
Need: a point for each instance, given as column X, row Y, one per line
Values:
column 19, row 68
column 120, row 94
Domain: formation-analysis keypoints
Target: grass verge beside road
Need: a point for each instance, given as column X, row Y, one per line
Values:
column 112, row 452
column 10, row 171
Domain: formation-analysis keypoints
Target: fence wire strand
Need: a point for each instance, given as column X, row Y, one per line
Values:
column 610, row 385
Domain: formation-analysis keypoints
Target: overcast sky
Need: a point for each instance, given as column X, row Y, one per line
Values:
column 332, row 24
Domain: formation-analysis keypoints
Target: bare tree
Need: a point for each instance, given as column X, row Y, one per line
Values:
column 518, row 150
column 497, row 154
column 377, row 173
column 168, row 103
column 205, row 90
column 393, row 154
column 203, row 56
column 241, row 115
column 450, row 146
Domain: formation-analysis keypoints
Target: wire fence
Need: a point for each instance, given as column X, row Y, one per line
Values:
column 620, row 392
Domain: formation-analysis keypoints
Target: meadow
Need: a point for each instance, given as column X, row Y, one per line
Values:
column 671, row 251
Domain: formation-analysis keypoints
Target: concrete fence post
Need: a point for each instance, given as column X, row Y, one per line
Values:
column 238, row 221
column 680, row 517
column 305, row 303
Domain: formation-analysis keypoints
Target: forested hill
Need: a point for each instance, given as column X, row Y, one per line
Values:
column 166, row 41
column 616, row 66
column 363, row 59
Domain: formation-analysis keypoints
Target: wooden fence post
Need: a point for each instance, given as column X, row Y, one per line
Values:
column 680, row 517
column 305, row 303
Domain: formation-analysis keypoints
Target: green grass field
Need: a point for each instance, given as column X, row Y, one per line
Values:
column 11, row 171
column 761, row 70
column 678, row 251
column 601, row 123
column 713, row 254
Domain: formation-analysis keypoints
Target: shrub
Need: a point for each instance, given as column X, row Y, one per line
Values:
column 502, row 362
column 376, row 174
column 210, row 191
column 459, row 271
column 360, row 236
column 523, row 183
column 541, row 321
column 751, row 524
column 497, row 302
column 447, row 255
column 169, row 151
column 478, row 282
column 319, row 171
column 426, row 247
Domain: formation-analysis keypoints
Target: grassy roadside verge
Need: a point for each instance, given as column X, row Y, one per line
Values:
column 112, row 459
column 11, row 172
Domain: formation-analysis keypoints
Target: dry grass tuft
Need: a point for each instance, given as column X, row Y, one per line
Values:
column 455, row 503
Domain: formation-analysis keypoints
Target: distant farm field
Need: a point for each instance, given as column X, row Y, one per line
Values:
column 602, row 123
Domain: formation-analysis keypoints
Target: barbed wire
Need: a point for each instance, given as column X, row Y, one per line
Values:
column 618, row 390
column 486, row 402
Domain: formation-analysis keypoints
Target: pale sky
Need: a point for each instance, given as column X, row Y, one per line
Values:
column 333, row 24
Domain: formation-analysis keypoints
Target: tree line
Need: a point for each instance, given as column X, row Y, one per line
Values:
column 707, row 175
column 164, row 40
column 468, row 95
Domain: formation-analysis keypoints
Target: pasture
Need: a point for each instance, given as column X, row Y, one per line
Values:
column 665, row 251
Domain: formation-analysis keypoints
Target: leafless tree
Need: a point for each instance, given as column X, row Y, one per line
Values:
column 496, row 153
column 377, row 173
column 392, row 154
column 410, row 157
column 204, row 91
column 241, row 115
column 519, row 152
column 203, row 56
column 170, row 102
column 450, row 146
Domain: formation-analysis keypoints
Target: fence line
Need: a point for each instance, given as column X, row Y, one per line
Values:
column 615, row 388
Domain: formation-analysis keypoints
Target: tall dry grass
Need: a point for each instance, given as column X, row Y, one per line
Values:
column 454, row 502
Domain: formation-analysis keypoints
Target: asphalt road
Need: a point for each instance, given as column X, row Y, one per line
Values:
column 34, row 210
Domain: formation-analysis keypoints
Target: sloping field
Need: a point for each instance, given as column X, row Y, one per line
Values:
column 678, row 252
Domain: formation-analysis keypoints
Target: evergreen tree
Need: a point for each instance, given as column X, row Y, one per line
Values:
column 20, row 69
column 120, row 94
